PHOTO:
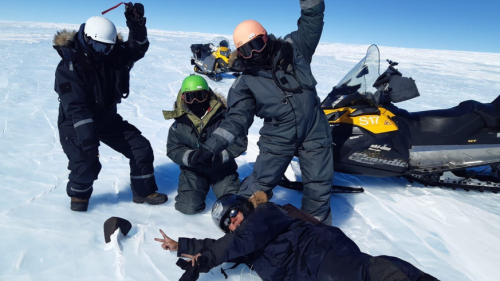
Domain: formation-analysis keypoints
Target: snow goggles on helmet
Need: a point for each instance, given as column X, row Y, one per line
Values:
column 100, row 47
column 256, row 45
column 200, row 96
column 232, row 214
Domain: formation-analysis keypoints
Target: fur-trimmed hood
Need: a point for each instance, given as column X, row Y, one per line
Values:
column 65, row 42
column 64, row 38
column 259, row 197
column 180, row 107
column 217, row 102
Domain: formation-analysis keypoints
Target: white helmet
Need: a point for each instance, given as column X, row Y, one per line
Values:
column 100, row 29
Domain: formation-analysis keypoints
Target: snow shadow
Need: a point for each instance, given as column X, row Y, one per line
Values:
column 342, row 205
column 167, row 177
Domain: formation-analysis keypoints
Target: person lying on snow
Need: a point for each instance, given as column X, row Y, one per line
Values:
column 283, row 243
column 198, row 112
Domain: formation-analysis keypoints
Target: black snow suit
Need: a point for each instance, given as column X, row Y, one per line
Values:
column 89, row 91
column 294, row 123
column 282, row 248
column 184, row 137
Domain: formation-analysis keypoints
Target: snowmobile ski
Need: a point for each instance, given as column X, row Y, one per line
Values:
column 297, row 185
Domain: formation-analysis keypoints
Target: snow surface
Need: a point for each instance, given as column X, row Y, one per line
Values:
column 453, row 235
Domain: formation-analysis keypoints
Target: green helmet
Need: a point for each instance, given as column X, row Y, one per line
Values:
column 194, row 83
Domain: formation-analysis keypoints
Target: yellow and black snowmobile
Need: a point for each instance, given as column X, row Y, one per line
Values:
column 373, row 137
column 211, row 59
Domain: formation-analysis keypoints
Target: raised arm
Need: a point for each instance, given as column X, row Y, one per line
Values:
column 310, row 27
column 138, row 43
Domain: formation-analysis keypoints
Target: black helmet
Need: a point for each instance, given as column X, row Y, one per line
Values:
column 224, row 43
column 227, row 206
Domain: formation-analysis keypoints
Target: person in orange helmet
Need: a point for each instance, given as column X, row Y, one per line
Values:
column 276, row 84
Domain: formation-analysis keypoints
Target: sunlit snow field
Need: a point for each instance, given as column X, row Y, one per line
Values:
column 453, row 235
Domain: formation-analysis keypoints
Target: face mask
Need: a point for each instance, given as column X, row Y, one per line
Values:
column 199, row 108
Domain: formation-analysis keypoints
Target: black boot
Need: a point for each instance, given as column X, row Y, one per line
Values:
column 79, row 205
column 154, row 198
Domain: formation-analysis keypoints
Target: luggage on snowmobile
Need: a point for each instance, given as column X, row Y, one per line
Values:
column 373, row 137
column 211, row 59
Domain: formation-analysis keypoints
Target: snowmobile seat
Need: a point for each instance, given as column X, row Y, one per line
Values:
column 196, row 50
column 488, row 111
column 439, row 127
column 207, row 48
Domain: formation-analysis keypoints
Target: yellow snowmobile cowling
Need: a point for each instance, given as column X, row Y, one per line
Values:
column 217, row 54
column 376, row 124
column 371, row 136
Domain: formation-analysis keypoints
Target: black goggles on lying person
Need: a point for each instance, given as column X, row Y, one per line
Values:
column 99, row 47
column 232, row 214
column 256, row 45
column 199, row 96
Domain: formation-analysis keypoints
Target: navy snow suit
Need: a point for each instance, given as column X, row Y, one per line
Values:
column 89, row 91
column 282, row 248
column 294, row 123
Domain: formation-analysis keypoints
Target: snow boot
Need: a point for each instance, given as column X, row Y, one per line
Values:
column 154, row 198
column 79, row 205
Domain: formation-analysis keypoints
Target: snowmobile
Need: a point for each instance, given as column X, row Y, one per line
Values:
column 211, row 59
column 373, row 137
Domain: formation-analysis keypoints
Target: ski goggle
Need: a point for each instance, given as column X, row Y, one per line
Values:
column 232, row 214
column 256, row 45
column 100, row 47
column 200, row 96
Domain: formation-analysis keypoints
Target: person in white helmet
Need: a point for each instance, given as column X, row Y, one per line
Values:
column 91, row 79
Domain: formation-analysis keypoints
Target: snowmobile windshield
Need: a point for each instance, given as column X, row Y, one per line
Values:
column 359, row 80
column 220, row 41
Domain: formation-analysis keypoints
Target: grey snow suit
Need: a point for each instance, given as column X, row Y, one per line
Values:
column 294, row 123
column 184, row 137
column 89, row 92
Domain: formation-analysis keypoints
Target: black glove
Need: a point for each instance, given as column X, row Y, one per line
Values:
column 136, row 22
column 219, row 158
column 200, row 157
column 91, row 155
column 191, row 273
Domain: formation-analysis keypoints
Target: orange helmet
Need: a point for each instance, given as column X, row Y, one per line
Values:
column 247, row 31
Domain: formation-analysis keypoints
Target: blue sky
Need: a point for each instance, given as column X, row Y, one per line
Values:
column 437, row 24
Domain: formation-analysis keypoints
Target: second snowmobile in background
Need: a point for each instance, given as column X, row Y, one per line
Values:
column 373, row 137
column 211, row 59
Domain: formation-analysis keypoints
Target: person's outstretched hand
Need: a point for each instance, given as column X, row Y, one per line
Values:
column 167, row 243
column 193, row 259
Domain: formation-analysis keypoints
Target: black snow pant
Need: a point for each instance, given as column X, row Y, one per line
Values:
column 316, row 165
column 120, row 136
column 194, row 185
column 363, row 267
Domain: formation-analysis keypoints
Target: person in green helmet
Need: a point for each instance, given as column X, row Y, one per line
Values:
column 198, row 111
